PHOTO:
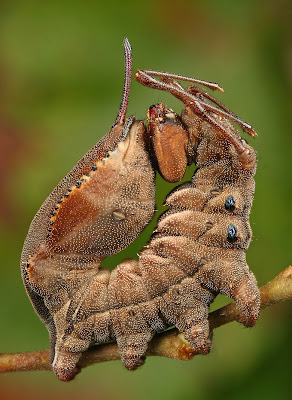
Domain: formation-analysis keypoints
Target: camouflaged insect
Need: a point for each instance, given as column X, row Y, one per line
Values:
column 196, row 252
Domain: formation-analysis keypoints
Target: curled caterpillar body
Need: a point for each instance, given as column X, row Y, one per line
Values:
column 196, row 252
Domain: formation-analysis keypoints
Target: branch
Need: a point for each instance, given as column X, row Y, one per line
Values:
column 167, row 344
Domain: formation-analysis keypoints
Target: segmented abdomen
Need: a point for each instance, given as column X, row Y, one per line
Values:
column 196, row 252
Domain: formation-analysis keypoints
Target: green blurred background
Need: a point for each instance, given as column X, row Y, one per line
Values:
column 61, row 74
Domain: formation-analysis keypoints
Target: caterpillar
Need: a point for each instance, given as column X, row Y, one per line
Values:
column 196, row 252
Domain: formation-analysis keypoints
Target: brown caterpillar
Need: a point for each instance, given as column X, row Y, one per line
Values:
column 196, row 252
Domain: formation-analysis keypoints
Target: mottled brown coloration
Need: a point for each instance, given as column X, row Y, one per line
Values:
column 196, row 252
column 169, row 343
column 98, row 209
column 206, row 230
column 169, row 140
column 64, row 268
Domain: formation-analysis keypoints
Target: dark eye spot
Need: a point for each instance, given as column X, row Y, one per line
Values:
column 231, row 233
column 229, row 203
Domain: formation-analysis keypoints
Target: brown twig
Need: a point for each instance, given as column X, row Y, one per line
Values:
column 167, row 344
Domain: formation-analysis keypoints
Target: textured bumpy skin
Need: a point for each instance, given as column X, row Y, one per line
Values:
column 98, row 209
column 196, row 252
column 198, row 248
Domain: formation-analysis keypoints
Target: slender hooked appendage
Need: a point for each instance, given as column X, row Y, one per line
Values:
column 127, row 83
column 196, row 252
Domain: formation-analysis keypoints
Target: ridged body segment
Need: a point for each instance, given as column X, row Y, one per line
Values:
column 196, row 252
